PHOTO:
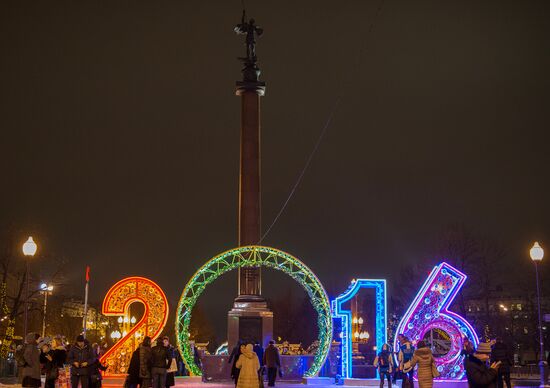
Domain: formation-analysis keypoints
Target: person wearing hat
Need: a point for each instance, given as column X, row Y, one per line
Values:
column 80, row 357
column 479, row 375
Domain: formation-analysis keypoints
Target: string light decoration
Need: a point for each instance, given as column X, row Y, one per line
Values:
column 429, row 310
column 10, row 325
column 117, row 303
column 339, row 312
column 254, row 256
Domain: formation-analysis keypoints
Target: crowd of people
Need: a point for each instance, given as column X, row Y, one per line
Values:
column 487, row 366
column 45, row 356
column 151, row 365
column 250, row 362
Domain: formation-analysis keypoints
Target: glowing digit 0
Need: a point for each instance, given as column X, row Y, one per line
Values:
column 429, row 310
column 117, row 303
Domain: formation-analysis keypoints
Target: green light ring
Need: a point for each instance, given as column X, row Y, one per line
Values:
column 254, row 256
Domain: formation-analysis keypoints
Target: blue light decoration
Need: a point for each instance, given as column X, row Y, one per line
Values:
column 338, row 312
column 429, row 310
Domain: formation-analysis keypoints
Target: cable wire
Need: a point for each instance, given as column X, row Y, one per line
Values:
column 323, row 131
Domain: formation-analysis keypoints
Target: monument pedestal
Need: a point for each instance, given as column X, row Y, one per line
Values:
column 249, row 320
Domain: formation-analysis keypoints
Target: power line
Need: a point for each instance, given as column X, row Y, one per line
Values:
column 324, row 129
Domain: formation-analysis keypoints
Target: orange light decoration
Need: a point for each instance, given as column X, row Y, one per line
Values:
column 117, row 303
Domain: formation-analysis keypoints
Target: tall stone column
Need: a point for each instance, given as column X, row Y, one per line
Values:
column 250, row 319
column 250, row 283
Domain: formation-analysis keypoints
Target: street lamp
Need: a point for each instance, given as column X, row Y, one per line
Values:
column 115, row 335
column 29, row 250
column 45, row 289
column 537, row 253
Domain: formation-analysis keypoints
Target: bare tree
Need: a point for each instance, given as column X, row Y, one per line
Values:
column 13, row 277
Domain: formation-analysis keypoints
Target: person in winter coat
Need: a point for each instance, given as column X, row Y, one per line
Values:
column 170, row 376
column 60, row 354
column 501, row 353
column 272, row 361
column 249, row 365
column 479, row 375
column 235, row 354
column 427, row 369
column 406, row 352
column 160, row 362
column 49, row 367
column 133, row 379
column 95, row 368
column 31, row 368
column 145, row 363
column 80, row 357
column 384, row 362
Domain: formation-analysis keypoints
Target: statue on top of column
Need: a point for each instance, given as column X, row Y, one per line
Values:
column 250, row 29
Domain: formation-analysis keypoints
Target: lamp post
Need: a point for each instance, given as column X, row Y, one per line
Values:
column 45, row 289
column 29, row 250
column 537, row 253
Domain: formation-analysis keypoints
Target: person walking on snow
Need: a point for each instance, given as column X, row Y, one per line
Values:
column 249, row 365
column 272, row 361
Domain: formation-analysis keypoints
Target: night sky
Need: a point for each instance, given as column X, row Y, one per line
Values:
column 120, row 131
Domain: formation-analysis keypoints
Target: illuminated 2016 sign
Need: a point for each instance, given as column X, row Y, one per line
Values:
column 117, row 303
column 429, row 310
column 345, row 316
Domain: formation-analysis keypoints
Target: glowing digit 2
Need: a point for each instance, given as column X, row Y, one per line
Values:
column 429, row 311
column 117, row 303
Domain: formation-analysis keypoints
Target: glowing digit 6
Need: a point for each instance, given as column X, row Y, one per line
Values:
column 429, row 311
column 117, row 303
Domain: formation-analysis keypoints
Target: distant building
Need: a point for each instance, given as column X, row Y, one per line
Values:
column 514, row 318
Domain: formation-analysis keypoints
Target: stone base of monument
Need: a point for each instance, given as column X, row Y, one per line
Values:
column 250, row 320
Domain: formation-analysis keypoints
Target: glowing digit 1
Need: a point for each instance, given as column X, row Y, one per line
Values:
column 117, row 303
column 429, row 311
column 339, row 312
